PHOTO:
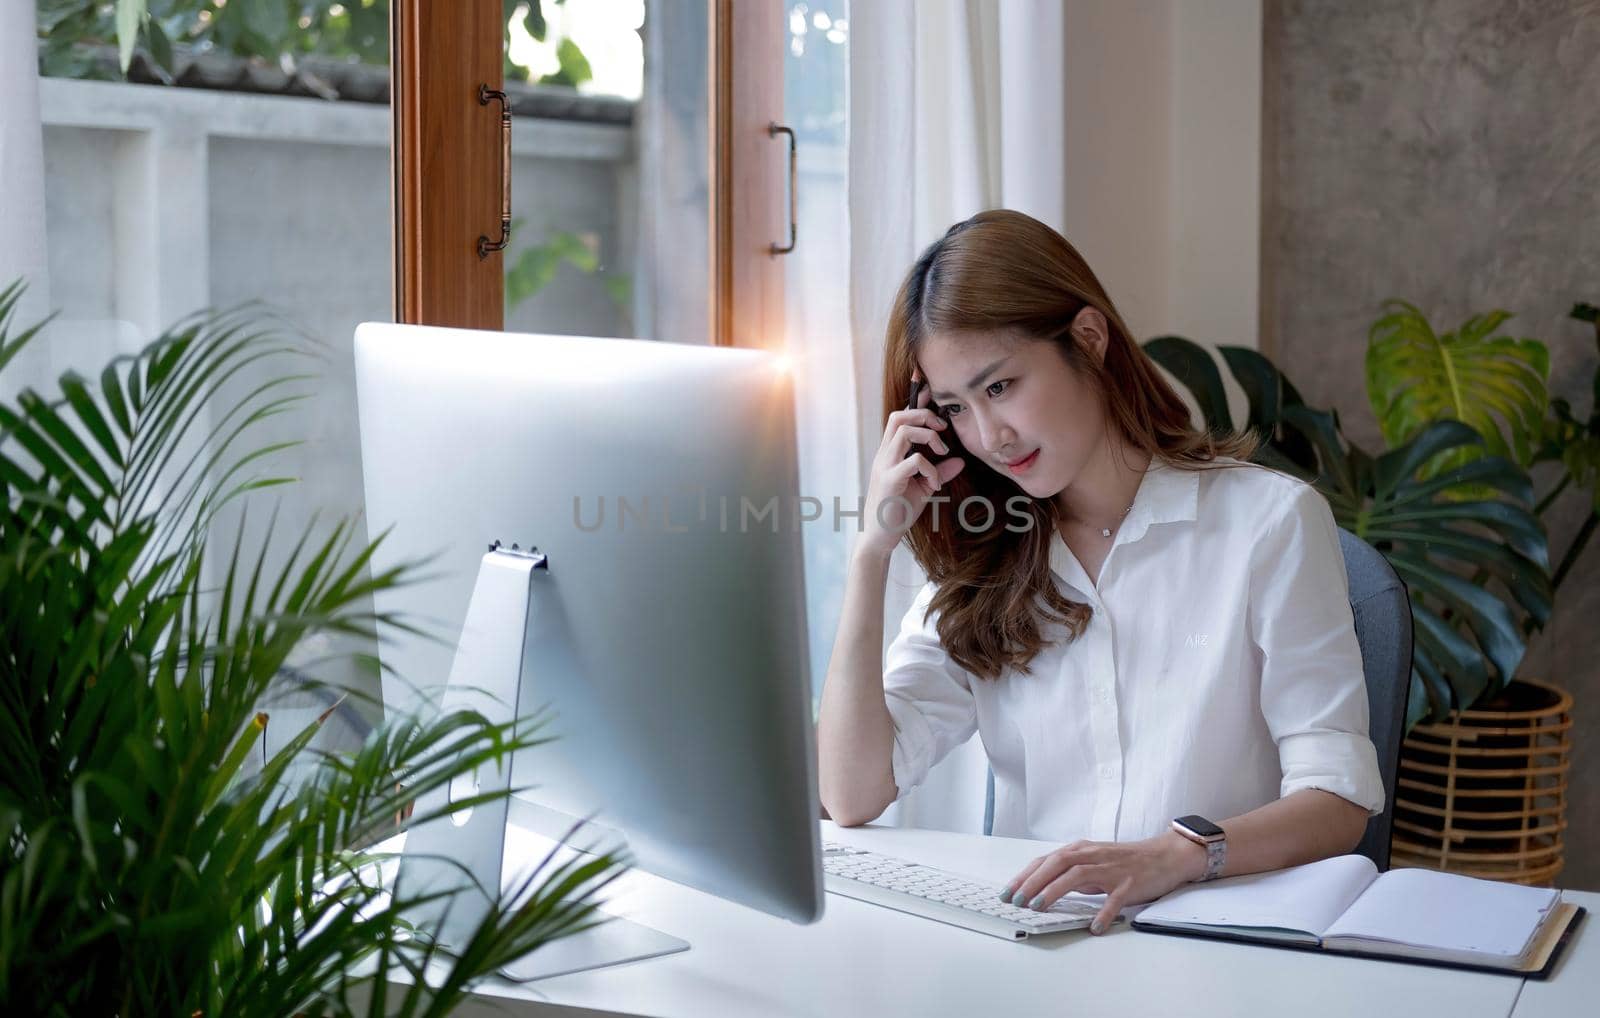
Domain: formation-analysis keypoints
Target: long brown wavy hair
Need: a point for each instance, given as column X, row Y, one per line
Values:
column 1003, row 271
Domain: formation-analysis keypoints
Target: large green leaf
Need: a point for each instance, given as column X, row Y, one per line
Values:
column 1191, row 365
column 1496, row 384
column 1266, row 390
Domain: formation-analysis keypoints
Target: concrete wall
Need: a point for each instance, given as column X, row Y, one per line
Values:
column 1447, row 152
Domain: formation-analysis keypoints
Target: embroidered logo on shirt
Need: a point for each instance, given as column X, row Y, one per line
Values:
column 1196, row 640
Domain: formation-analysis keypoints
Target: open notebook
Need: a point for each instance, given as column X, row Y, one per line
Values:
column 1345, row 905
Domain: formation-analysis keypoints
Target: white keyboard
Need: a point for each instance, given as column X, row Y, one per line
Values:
column 944, row 897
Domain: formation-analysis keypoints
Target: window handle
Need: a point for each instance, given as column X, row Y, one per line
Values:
column 773, row 130
column 487, row 95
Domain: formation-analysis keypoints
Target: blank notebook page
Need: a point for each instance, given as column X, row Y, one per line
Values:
column 1304, row 898
column 1447, row 912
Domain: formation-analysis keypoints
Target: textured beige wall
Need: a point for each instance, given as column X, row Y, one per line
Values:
column 1447, row 152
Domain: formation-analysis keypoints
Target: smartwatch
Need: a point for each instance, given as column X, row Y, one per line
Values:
column 1208, row 836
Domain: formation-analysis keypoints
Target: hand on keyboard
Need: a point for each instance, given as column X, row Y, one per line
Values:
column 934, row 894
column 1127, row 873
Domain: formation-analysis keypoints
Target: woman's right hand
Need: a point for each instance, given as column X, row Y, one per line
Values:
column 903, row 479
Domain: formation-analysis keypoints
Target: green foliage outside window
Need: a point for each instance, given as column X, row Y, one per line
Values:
column 278, row 31
column 535, row 266
column 273, row 30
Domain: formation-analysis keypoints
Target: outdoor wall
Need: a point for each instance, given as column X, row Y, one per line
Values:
column 162, row 201
column 1446, row 152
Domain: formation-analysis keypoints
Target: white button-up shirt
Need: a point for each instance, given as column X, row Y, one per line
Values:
column 1219, row 671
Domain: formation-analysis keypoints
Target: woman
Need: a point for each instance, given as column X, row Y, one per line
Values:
column 1139, row 625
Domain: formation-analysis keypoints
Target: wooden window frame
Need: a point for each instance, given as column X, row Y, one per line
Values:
column 446, row 160
column 446, row 167
column 748, row 173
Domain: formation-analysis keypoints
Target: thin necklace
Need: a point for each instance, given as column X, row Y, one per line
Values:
column 1106, row 531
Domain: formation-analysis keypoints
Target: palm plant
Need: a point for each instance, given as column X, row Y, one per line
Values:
column 146, row 869
column 1432, row 528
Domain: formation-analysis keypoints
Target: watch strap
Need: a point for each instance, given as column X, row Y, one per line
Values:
column 1216, row 858
column 1215, row 844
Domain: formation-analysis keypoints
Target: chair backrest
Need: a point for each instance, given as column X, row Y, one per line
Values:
column 1382, row 610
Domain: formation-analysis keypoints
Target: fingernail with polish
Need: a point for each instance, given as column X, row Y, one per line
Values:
column 1097, row 927
column 1037, row 903
column 1005, row 895
column 1017, row 899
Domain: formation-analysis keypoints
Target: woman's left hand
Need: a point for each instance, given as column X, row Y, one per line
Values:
column 1127, row 873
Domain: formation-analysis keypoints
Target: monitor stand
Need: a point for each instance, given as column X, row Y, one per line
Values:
column 613, row 942
column 616, row 940
column 453, row 851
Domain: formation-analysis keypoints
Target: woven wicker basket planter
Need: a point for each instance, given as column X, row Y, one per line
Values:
column 1485, row 792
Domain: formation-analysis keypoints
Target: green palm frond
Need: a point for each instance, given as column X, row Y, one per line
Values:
column 10, row 346
column 1496, row 384
column 149, row 866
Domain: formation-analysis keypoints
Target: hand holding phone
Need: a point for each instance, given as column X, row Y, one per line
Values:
column 921, row 397
column 914, row 461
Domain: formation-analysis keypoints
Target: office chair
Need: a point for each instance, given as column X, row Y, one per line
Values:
column 1382, row 610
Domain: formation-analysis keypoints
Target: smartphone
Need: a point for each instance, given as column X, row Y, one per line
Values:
column 948, row 435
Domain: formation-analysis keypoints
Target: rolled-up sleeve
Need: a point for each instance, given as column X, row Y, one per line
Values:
column 928, row 695
column 1313, row 694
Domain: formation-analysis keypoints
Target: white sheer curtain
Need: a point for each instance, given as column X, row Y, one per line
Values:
column 23, row 251
column 955, row 106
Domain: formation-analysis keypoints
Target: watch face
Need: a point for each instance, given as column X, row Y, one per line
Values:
column 1201, row 826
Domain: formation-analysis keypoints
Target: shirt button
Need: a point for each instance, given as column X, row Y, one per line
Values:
column 1106, row 770
column 1103, row 694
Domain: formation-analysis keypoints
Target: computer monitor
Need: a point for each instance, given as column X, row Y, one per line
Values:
column 665, row 625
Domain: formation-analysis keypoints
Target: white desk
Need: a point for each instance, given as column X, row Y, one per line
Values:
column 864, row 960
column 1574, row 987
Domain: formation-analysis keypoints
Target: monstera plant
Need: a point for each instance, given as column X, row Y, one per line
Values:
column 1468, row 637
column 1496, row 384
column 1266, row 389
column 146, row 870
